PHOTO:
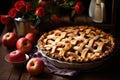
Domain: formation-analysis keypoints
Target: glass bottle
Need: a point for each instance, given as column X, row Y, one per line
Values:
column 91, row 8
column 98, row 15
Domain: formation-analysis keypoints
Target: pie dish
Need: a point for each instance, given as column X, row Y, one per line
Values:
column 76, row 44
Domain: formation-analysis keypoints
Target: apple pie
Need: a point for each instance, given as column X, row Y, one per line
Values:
column 76, row 44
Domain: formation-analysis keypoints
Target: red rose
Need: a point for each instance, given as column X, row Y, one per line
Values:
column 44, row 3
column 55, row 18
column 40, row 12
column 79, row 7
column 20, row 5
column 12, row 13
column 28, row 7
column 4, row 19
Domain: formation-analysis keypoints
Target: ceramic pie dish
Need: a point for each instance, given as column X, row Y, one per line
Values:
column 83, row 66
column 76, row 47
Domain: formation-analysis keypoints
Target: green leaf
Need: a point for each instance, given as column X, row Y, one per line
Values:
column 73, row 13
column 37, row 22
column 71, row 3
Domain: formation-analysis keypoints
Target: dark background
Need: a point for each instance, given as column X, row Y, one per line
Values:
column 118, row 18
column 5, row 5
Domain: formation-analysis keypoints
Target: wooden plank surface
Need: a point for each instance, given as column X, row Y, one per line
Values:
column 5, row 68
column 109, row 71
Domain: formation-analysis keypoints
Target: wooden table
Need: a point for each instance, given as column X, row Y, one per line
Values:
column 109, row 71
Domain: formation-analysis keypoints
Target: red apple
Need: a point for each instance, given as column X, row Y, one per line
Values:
column 9, row 39
column 24, row 45
column 16, row 56
column 35, row 66
column 31, row 37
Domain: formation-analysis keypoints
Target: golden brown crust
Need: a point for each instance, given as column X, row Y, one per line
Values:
column 76, row 43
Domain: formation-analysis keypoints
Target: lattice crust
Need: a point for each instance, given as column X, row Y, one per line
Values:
column 76, row 44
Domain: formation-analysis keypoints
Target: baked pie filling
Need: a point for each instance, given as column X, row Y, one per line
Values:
column 76, row 44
